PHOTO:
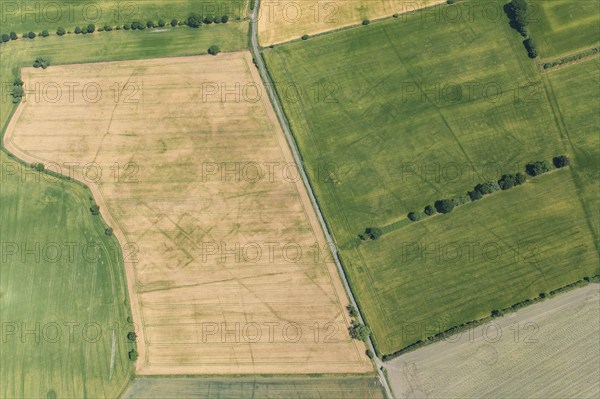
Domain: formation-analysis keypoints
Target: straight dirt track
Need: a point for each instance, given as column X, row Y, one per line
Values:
column 227, row 267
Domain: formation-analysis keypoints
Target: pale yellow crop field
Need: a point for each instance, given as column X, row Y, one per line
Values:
column 280, row 21
column 225, row 260
column 547, row 350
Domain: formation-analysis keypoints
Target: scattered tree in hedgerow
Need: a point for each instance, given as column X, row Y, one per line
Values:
column 445, row 205
column 133, row 355
column 150, row 24
column 371, row 233
column 497, row 313
column 415, row 217
column 41, row 62
column 216, row 20
column 214, row 50
column 475, row 195
column 518, row 13
column 95, row 209
column 91, row 28
column 5, row 38
column 61, row 31
column 352, row 311
column 305, row 37
column 537, row 168
column 31, row 35
column 132, row 336
column 161, row 23
column 126, row 26
column 561, row 161
column 108, row 27
column 77, row 30
column 207, row 21
column 530, row 47
column 359, row 331
column 13, row 36
column 40, row 167
column 224, row 19
column 487, row 188
column 194, row 21
column 366, row 22
column 17, row 92
column 429, row 210
column 45, row 33
column 173, row 23
column 108, row 231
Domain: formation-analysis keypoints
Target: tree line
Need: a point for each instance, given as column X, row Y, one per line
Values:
column 519, row 16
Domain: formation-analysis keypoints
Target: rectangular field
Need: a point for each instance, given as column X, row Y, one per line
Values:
column 561, row 27
column 287, row 20
column 548, row 351
column 256, row 387
column 393, row 116
column 227, row 268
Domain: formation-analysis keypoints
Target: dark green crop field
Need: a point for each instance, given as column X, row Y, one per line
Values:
column 392, row 116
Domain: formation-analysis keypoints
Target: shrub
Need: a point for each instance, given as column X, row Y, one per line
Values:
column 561, row 161
column 537, row 168
column 305, row 37
column 359, row 331
column 445, row 205
column 31, row 35
column 415, row 217
column 224, row 19
column 366, row 22
column 530, row 47
column 13, row 36
column 133, row 355
column 5, row 38
column 91, row 28
column 95, row 209
column 60, row 31
column 41, row 62
column 45, row 33
column 194, row 21
column 429, row 210
column 161, row 23
column 214, row 50
column 173, row 23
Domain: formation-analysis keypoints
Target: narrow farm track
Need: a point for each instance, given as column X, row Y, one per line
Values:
column 292, row 144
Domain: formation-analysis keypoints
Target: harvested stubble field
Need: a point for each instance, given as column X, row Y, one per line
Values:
column 287, row 20
column 221, row 261
column 549, row 350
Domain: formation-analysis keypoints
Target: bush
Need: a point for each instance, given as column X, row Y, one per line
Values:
column 91, row 28
column 45, row 33
column 359, row 331
column 95, row 209
column 108, row 231
column 41, row 62
column 445, row 205
column 429, row 210
column 530, row 47
column 173, row 23
column 161, row 23
column 305, row 37
column 60, row 31
column 31, row 35
column 194, row 21
column 5, row 38
column 224, row 19
column 366, row 22
column 133, row 355
column 561, row 161
column 214, row 50
column 537, row 168
column 13, row 36
column 415, row 217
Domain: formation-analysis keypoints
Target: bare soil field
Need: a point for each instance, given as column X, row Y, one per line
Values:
column 282, row 21
column 548, row 350
column 226, row 265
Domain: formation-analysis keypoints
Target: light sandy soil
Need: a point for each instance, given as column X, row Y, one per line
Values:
column 547, row 350
column 221, row 263
column 284, row 20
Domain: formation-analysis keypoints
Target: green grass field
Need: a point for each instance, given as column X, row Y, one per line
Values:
column 561, row 27
column 23, row 16
column 384, row 129
column 62, row 292
column 258, row 387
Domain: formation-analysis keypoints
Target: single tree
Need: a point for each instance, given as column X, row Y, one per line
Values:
column 214, row 50
column 133, row 355
column 95, row 209
column 415, row 217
